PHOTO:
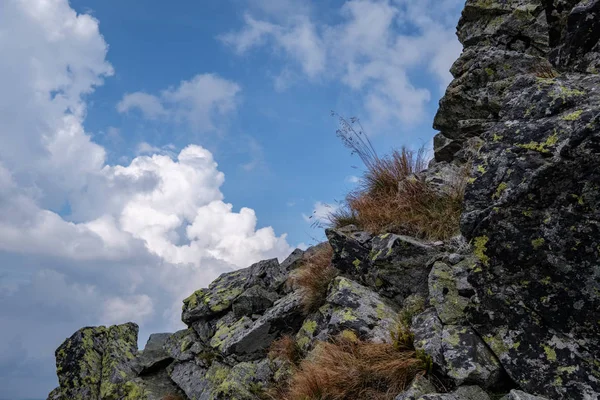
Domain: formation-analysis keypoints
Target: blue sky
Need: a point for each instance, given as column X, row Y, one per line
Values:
column 149, row 147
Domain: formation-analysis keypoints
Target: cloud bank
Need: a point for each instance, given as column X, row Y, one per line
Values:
column 376, row 49
column 87, row 243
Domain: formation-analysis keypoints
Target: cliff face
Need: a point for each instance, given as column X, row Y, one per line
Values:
column 527, row 88
column 517, row 310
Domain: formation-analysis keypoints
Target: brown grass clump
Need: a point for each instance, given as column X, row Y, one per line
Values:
column 172, row 397
column 393, row 199
column 286, row 349
column 352, row 369
column 314, row 276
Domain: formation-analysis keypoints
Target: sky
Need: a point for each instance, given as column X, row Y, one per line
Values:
column 148, row 147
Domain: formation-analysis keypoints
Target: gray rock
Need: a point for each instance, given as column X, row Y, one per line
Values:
column 361, row 310
column 399, row 266
column 55, row 394
column 450, row 292
column 419, row 387
column 245, row 339
column 183, row 345
column 254, row 300
column 428, row 329
column 350, row 307
column 467, row 359
column 347, row 252
column 220, row 382
column 527, row 85
column 154, row 356
column 519, row 395
column 157, row 385
column 218, row 298
column 462, row 393
column 98, row 362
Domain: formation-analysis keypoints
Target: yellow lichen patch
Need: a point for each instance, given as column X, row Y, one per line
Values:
column 574, row 116
column 499, row 190
column 550, row 353
column 537, row 243
column 480, row 249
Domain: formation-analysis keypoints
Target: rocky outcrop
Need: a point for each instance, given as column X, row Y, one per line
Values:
column 223, row 352
column 509, row 308
column 527, row 86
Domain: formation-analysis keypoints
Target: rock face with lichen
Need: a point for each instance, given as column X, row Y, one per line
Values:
column 508, row 309
column 527, row 89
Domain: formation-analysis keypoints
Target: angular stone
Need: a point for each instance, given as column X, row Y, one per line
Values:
column 154, row 356
column 249, row 340
column 427, row 329
column 400, row 266
column 519, row 395
column 462, row 393
column 349, row 254
column 98, row 362
column 218, row 298
column 467, row 359
column 254, row 300
column 529, row 72
column 183, row 345
column 220, row 381
column 449, row 290
column 419, row 387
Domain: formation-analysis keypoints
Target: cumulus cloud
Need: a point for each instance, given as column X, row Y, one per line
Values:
column 198, row 102
column 136, row 238
column 373, row 50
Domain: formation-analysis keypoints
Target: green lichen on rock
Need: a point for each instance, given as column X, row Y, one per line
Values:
column 479, row 249
column 574, row 116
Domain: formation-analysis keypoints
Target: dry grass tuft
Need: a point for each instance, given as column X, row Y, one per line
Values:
column 393, row 199
column 314, row 276
column 286, row 349
column 352, row 369
column 172, row 397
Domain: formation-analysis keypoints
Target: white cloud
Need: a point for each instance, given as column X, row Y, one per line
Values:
column 149, row 105
column 352, row 179
column 320, row 214
column 118, row 310
column 199, row 102
column 373, row 50
column 139, row 237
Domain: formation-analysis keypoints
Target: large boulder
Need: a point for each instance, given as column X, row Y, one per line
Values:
column 219, row 381
column 527, row 85
column 98, row 363
column 350, row 307
column 462, row 393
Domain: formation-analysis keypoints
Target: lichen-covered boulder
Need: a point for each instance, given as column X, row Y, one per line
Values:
column 254, row 300
column 98, row 363
column 520, row 395
column 245, row 339
column 527, row 86
column 457, row 351
column 467, row 359
column 221, row 294
column 462, row 393
column 400, row 266
column 350, row 308
column 349, row 251
column 244, row 381
column 449, row 290
column 396, row 266
column 154, row 356
column 419, row 387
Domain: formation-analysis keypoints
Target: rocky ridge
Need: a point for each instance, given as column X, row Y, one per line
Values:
column 511, row 306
